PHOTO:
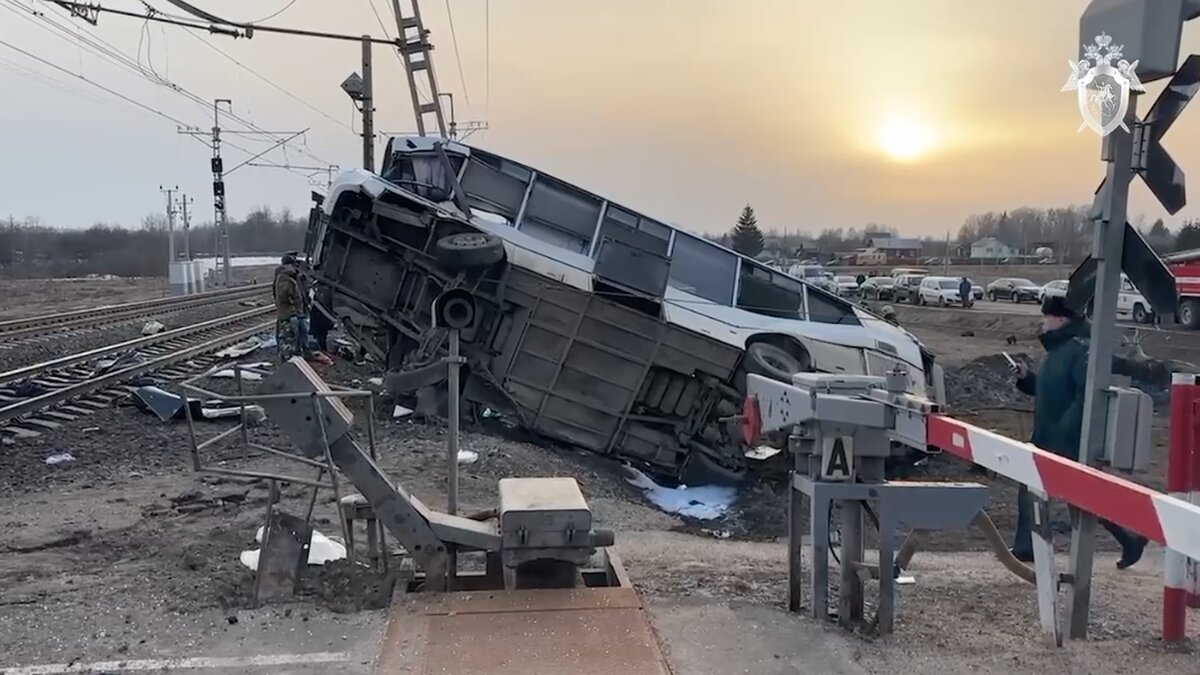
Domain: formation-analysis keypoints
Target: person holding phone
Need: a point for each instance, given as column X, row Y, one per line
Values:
column 1059, row 387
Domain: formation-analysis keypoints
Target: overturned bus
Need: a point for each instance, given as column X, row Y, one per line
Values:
column 597, row 325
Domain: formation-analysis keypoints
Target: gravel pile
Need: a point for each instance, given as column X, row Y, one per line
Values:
column 986, row 382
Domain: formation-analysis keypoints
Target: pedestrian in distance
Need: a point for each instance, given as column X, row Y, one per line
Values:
column 1058, row 389
column 964, row 293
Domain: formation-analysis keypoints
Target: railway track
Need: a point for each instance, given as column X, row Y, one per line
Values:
column 72, row 386
column 20, row 332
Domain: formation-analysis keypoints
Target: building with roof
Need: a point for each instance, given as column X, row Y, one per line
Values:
column 896, row 247
column 991, row 248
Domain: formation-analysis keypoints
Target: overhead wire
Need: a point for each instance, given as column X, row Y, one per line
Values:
column 273, row 14
column 113, row 54
column 269, row 82
column 18, row 69
column 462, row 79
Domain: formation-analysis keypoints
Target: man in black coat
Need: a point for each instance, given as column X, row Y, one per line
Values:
column 1059, row 388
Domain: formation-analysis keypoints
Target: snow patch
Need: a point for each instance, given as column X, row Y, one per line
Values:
column 702, row 502
column 321, row 550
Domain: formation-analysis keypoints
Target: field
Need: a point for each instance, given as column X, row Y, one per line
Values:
column 125, row 553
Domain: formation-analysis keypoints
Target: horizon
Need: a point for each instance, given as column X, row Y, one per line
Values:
column 811, row 129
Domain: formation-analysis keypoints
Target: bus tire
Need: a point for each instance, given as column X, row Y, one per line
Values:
column 469, row 250
column 770, row 360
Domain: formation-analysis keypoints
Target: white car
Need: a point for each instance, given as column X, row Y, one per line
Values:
column 941, row 291
column 1053, row 289
column 1131, row 304
column 847, row 285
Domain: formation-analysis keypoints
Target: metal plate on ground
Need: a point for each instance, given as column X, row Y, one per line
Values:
column 591, row 631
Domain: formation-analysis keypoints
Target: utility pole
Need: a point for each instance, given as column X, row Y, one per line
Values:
column 368, row 107
column 187, row 237
column 170, row 225
column 218, row 170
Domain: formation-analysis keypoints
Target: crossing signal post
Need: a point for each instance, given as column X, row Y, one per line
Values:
column 1150, row 34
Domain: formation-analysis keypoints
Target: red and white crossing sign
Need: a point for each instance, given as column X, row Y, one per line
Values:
column 1162, row 518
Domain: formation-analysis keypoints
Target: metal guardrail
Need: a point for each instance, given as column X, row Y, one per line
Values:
column 20, row 327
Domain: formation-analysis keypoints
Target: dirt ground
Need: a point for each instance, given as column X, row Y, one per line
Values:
column 34, row 297
column 125, row 553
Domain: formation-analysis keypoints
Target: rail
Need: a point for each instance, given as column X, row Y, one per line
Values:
column 20, row 327
column 13, row 411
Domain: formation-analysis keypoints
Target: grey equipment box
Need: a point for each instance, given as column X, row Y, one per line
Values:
column 544, row 518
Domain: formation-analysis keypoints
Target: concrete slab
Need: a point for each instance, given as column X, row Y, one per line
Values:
column 594, row 631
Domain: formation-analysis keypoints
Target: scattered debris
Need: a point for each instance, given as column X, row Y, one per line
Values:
column 1011, row 340
column 321, row 550
column 762, row 452
column 489, row 414
column 121, row 361
column 60, row 458
column 400, row 411
column 968, row 333
column 153, row 328
column 250, row 303
column 29, row 388
column 467, row 456
column 247, row 346
column 704, row 502
column 375, row 381
column 88, row 430
column 169, row 406
column 247, row 375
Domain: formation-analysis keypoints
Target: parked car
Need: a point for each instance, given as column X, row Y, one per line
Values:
column 941, row 291
column 1053, row 289
column 1131, row 304
column 1014, row 290
column 899, row 271
column 595, row 325
column 847, row 286
column 878, row 288
column 976, row 290
column 905, row 289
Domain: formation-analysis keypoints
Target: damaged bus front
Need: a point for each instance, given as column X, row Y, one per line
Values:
column 598, row 326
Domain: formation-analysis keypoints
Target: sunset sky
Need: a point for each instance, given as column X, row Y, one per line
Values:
column 912, row 113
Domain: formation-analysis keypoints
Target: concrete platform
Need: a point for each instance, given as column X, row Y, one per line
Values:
column 582, row 631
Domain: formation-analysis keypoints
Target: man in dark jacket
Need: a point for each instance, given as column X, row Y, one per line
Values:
column 964, row 292
column 1059, row 388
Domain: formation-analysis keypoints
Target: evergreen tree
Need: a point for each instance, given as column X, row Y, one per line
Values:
column 1188, row 237
column 747, row 238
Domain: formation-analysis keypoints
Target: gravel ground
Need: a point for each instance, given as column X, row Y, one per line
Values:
column 125, row 553
column 59, row 344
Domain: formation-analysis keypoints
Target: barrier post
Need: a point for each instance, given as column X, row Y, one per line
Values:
column 1179, row 482
column 1192, row 566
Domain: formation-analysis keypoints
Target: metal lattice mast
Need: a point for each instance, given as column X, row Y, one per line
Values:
column 418, row 65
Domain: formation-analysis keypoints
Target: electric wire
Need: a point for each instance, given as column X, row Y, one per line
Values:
column 273, row 14
column 462, row 79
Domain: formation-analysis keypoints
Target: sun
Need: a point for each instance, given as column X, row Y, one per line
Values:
column 904, row 139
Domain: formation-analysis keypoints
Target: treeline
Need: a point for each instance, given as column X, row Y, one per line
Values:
column 31, row 249
column 1067, row 231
